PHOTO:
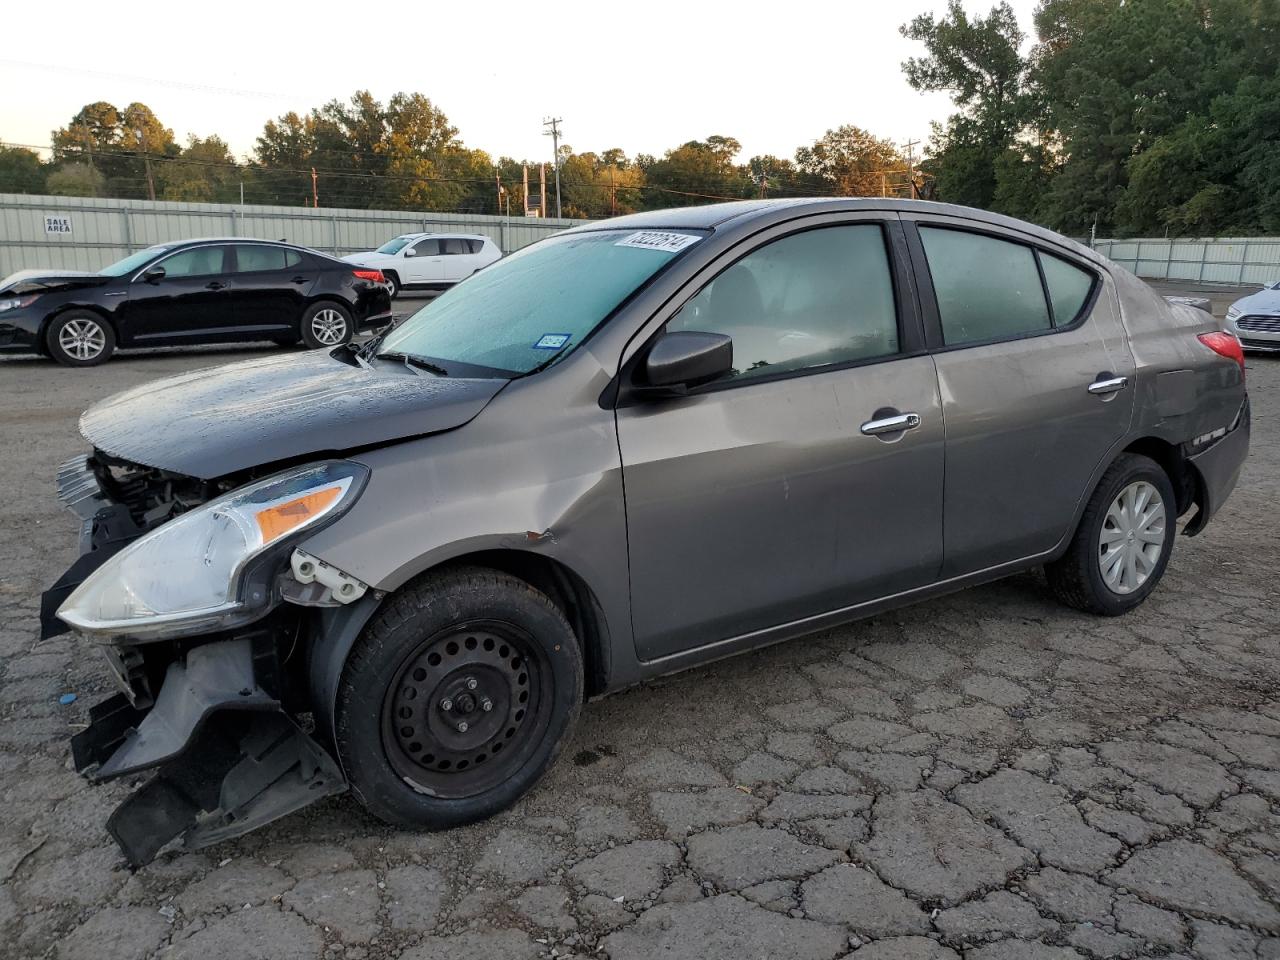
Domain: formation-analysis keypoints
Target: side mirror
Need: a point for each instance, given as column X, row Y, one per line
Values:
column 687, row 358
column 154, row 274
column 410, row 252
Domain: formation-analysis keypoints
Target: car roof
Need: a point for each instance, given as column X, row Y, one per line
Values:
column 736, row 212
column 434, row 233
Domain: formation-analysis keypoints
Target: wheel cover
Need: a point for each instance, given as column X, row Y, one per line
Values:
column 1132, row 537
column 467, row 708
column 82, row 339
column 329, row 327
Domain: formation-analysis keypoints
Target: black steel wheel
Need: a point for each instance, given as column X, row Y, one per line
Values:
column 457, row 698
column 462, row 698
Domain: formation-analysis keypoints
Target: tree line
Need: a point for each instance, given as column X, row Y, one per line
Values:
column 405, row 154
column 1130, row 117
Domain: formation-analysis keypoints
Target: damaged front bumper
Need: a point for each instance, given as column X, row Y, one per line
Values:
column 228, row 757
column 215, row 716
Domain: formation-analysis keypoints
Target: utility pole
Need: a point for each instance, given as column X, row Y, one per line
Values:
column 554, row 133
column 542, row 190
column 315, row 191
column 146, row 162
column 911, row 176
column 525, row 169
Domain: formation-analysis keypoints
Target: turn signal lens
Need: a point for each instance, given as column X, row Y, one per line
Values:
column 374, row 275
column 277, row 520
column 1225, row 345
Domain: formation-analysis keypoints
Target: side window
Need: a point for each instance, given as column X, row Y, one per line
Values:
column 257, row 258
column 805, row 301
column 427, row 248
column 452, row 246
column 1069, row 288
column 196, row 262
column 987, row 289
column 475, row 245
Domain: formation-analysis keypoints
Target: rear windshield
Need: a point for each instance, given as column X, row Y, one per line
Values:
column 535, row 306
column 394, row 246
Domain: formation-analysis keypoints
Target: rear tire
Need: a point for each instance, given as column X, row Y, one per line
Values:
column 326, row 325
column 1122, row 546
column 466, row 684
column 79, row 338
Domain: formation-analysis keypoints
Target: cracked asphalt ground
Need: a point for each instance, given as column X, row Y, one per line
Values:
column 987, row 775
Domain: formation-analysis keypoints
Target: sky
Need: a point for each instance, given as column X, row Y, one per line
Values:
column 645, row 77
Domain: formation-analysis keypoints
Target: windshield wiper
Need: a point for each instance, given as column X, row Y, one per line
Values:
column 410, row 360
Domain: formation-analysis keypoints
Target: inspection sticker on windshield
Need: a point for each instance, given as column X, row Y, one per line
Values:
column 552, row 341
column 658, row 240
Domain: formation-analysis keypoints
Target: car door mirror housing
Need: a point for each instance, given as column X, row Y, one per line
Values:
column 153, row 275
column 686, row 358
column 410, row 252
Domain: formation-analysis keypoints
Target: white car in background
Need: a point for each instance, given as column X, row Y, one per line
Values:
column 429, row 261
column 1255, row 319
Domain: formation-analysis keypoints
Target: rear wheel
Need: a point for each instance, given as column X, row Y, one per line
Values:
column 1122, row 546
column 457, row 698
column 394, row 282
column 79, row 338
column 326, row 324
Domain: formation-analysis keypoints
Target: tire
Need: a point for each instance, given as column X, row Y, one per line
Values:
column 326, row 324
column 79, row 338
column 1083, row 578
column 394, row 283
column 406, row 711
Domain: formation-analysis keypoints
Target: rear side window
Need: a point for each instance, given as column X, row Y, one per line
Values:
column 475, row 245
column 256, row 258
column 452, row 246
column 987, row 289
column 1069, row 288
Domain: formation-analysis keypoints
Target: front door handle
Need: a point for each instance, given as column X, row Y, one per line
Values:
column 214, row 285
column 1106, row 384
column 894, row 424
column 298, row 280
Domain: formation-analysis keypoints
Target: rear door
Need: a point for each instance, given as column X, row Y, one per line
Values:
column 270, row 288
column 187, row 303
column 1036, row 379
column 425, row 265
column 458, row 262
column 776, row 494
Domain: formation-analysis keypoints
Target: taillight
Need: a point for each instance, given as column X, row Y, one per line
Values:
column 1225, row 345
column 374, row 275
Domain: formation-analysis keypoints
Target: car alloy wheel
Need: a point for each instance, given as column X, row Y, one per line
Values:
column 1132, row 537
column 329, row 327
column 466, row 708
column 82, row 339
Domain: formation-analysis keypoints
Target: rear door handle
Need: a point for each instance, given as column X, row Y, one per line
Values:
column 299, row 280
column 214, row 285
column 1102, row 387
column 895, row 424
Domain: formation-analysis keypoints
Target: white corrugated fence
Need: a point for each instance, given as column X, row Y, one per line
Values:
column 1238, row 260
column 83, row 233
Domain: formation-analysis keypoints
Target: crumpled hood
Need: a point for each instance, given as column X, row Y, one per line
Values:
column 33, row 281
column 1264, row 302
column 217, row 421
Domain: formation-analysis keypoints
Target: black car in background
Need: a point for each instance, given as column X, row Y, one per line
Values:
column 197, row 291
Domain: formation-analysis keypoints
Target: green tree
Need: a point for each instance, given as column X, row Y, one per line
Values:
column 204, row 172
column 695, row 172
column 21, row 171
column 851, row 162
column 75, row 179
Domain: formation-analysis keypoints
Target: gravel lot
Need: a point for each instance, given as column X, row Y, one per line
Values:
column 987, row 775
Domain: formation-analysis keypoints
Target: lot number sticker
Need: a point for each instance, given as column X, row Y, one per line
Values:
column 57, row 224
column 658, row 240
column 552, row 341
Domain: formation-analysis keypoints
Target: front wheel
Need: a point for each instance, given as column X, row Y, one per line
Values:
column 79, row 338
column 1122, row 546
column 326, row 324
column 394, row 283
column 457, row 698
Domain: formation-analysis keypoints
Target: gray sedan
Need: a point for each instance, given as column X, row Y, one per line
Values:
column 1255, row 319
column 628, row 449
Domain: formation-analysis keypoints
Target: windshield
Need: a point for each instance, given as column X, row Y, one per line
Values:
column 536, row 305
column 393, row 246
column 132, row 262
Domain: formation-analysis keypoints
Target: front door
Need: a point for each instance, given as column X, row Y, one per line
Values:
column 810, row 478
column 423, row 262
column 1037, row 383
column 187, row 303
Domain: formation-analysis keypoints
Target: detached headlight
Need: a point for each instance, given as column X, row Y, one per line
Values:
column 13, row 303
column 189, row 575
